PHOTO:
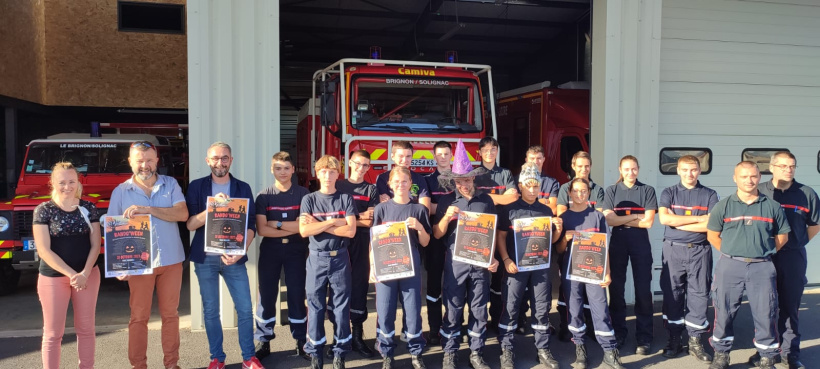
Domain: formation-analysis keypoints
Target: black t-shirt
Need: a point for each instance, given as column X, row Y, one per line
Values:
column 324, row 207
column 496, row 181
column 281, row 206
column 519, row 210
column 596, row 195
column 588, row 220
column 364, row 196
column 436, row 191
column 417, row 190
column 802, row 209
column 624, row 200
column 69, row 234
column 392, row 212
column 479, row 203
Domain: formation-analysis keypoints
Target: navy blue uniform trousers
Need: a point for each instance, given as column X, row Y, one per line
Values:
column 576, row 293
column 791, row 279
column 464, row 283
column 536, row 286
column 359, row 250
column 323, row 271
column 631, row 244
column 758, row 280
column 686, row 278
column 387, row 299
column 434, row 264
column 272, row 259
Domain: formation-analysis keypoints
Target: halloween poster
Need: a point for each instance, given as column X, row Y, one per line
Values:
column 390, row 250
column 128, row 248
column 475, row 238
column 226, row 225
column 588, row 257
column 533, row 242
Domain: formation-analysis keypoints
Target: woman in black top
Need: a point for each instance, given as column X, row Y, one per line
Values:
column 67, row 236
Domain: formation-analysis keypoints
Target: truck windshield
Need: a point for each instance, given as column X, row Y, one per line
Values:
column 88, row 158
column 413, row 105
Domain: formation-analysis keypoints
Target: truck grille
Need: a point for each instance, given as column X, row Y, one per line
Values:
column 22, row 224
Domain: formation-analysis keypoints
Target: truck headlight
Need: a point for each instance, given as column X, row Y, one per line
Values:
column 4, row 224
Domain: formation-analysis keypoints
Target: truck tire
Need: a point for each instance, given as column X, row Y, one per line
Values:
column 9, row 278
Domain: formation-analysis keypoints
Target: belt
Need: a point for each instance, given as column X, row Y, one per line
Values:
column 688, row 244
column 750, row 260
column 329, row 253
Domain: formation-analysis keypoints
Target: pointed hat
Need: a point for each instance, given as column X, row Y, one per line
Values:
column 461, row 168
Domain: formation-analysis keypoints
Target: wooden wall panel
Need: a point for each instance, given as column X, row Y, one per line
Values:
column 91, row 63
column 21, row 50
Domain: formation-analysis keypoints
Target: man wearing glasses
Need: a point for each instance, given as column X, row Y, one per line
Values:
column 282, row 247
column 365, row 199
column 209, row 266
column 801, row 206
column 147, row 192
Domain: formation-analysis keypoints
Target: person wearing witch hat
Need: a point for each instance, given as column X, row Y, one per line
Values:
column 460, row 279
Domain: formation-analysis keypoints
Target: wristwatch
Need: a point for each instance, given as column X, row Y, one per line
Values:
column 279, row 225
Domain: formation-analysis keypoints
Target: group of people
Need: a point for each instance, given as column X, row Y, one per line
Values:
column 321, row 240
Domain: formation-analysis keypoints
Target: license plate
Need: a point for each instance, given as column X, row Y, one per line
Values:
column 28, row 244
column 423, row 162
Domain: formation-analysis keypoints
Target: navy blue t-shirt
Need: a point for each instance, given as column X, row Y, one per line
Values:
column 364, row 196
column 625, row 201
column 801, row 206
column 479, row 203
column 588, row 220
column 596, row 195
column 281, row 206
column 496, row 181
column 417, row 190
column 324, row 207
column 436, row 191
column 549, row 187
column 683, row 201
column 393, row 212
column 519, row 210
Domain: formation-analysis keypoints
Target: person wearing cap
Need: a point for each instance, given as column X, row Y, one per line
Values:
column 629, row 208
column 686, row 275
column 435, row 250
column 282, row 249
column 458, row 276
column 328, row 217
column 388, row 293
column 747, row 228
column 518, row 285
column 803, row 213
column 148, row 192
column 581, row 164
column 580, row 217
column 365, row 197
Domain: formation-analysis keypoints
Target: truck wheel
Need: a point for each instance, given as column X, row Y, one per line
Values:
column 9, row 278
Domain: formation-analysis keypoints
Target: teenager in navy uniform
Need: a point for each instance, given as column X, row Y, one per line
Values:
column 399, row 209
column 462, row 280
column 499, row 183
column 802, row 211
column 580, row 217
column 402, row 155
column 687, row 258
column 581, row 165
column 747, row 228
column 629, row 207
column 434, row 252
column 548, row 194
column 519, row 285
column 365, row 198
column 282, row 247
column 328, row 217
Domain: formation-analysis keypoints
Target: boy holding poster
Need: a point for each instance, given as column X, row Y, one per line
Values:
column 533, row 248
column 582, row 218
column 415, row 216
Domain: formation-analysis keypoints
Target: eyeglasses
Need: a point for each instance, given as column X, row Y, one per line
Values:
column 784, row 166
column 223, row 159
column 360, row 164
column 580, row 191
column 143, row 145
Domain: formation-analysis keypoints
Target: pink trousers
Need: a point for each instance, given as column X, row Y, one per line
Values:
column 55, row 293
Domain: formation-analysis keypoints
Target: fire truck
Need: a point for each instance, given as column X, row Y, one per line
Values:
column 555, row 118
column 102, row 163
column 369, row 104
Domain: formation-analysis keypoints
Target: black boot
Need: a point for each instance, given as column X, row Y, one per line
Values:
column 546, row 359
column 329, row 354
column 262, row 350
column 507, row 359
column 450, row 361
column 477, row 361
column 300, row 350
column 721, row 360
column 338, row 362
column 316, row 362
column 580, row 357
column 766, row 363
column 387, row 362
column 696, row 349
column 673, row 347
column 358, row 342
column 417, row 362
column 613, row 359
